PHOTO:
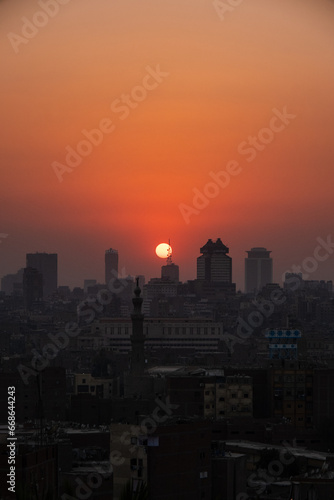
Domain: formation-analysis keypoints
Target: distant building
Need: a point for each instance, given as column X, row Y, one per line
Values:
column 32, row 287
column 171, row 272
column 111, row 265
column 128, row 445
column 258, row 269
column 114, row 334
column 214, row 265
column 179, row 461
column 210, row 394
column 47, row 265
column 88, row 283
column 10, row 280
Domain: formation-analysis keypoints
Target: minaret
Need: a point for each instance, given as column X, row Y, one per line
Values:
column 137, row 338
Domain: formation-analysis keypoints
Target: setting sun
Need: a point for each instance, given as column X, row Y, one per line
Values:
column 163, row 250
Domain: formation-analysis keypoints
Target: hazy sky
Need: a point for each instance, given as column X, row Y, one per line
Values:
column 180, row 90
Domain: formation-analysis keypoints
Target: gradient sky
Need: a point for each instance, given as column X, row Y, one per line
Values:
column 225, row 78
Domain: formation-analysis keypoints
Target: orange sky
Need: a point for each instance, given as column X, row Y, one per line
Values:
column 225, row 77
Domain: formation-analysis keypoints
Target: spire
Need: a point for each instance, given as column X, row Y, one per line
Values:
column 169, row 254
column 137, row 300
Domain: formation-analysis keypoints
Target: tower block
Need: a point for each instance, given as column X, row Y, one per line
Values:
column 137, row 338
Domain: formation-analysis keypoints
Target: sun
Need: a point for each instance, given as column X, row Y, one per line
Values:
column 163, row 250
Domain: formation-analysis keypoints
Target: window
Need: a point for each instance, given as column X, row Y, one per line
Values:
column 207, row 393
column 221, row 399
column 246, row 395
column 234, row 395
column 134, row 440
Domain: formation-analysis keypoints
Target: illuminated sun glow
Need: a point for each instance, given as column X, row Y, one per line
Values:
column 163, row 250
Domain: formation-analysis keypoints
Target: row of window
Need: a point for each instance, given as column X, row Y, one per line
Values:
column 233, row 395
column 115, row 330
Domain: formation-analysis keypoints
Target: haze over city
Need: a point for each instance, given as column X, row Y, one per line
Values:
column 203, row 89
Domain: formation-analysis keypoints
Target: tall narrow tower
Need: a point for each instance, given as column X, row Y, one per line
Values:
column 170, row 271
column 258, row 269
column 111, row 265
column 137, row 337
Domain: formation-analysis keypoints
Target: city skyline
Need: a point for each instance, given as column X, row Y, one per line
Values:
column 310, row 267
column 200, row 124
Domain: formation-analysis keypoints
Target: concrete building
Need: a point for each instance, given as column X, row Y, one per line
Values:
column 292, row 395
column 170, row 272
column 214, row 265
column 32, row 288
column 9, row 280
column 197, row 334
column 111, row 265
column 128, row 456
column 47, row 265
column 179, row 461
column 209, row 394
column 258, row 269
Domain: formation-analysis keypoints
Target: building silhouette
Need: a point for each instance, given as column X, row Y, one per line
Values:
column 32, row 287
column 214, row 265
column 47, row 265
column 137, row 365
column 258, row 269
column 111, row 265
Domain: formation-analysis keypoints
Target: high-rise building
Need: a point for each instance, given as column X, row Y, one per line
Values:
column 170, row 272
column 32, row 287
column 137, row 338
column 47, row 265
column 214, row 265
column 258, row 269
column 111, row 265
column 88, row 283
column 10, row 280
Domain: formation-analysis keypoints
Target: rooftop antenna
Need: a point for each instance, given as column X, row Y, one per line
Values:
column 169, row 254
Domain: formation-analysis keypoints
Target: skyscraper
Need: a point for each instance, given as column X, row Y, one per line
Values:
column 137, row 337
column 111, row 265
column 258, row 269
column 32, row 287
column 47, row 265
column 214, row 265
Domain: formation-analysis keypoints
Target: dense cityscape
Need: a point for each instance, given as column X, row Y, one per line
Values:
column 166, row 250
column 167, row 389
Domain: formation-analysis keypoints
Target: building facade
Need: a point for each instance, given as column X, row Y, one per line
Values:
column 47, row 265
column 258, row 269
column 111, row 265
column 214, row 265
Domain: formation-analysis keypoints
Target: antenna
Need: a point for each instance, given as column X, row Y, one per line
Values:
column 169, row 253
